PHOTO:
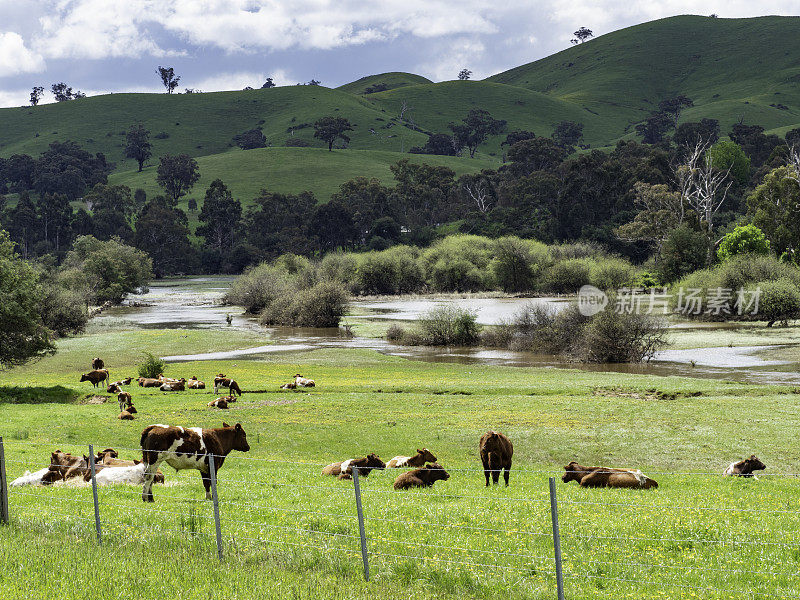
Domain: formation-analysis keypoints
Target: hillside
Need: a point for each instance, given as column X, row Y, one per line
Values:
column 731, row 68
column 390, row 80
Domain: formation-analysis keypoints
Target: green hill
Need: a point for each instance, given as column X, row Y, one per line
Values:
column 390, row 80
column 731, row 68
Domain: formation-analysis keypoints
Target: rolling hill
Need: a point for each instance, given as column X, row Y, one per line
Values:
column 733, row 69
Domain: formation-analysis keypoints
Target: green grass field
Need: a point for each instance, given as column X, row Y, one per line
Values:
column 290, row 533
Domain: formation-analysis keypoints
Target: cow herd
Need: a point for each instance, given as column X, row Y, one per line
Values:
column 190, row 448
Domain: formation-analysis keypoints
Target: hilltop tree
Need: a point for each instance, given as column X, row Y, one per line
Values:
column 464, row 74
column 177, row 175
column 330, row 129
column 475, row 128
column 583, row 34
column 313, row 82
column 61, row 92
column 138, row 146
column 36, row 94
column 168, row 78
column 268, row 84
column 23, row 335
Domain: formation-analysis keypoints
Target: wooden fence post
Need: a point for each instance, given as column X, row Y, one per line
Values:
column 94, row 496
column 3, row 486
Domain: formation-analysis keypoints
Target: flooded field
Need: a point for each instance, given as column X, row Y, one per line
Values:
column 750, row 352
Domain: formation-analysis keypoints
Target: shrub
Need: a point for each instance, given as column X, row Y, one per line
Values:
column 746, row 239
column 683, row 252
column 518, row 263
column 546, row 330
column 611, row 273
column 341, row 267
column 258, row 287
column 779, row 301
column 449, row 326
column 250, row 139
column 63, row 311
column 392, row 271
column 395, row 333
column 618, row 337
column 458, row 263
column 577, row 250
column 566, row 276
column 152, row 366
column 321, row 305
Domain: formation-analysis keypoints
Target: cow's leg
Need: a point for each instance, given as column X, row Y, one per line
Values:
column 207, row 483
column 486, row 470
column 149, row 475
column 506, row 473
column 496, row 468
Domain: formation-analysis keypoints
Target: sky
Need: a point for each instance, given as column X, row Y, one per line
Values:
column 102, row 46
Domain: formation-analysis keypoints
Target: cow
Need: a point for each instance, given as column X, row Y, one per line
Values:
column 35, row 478
column 97, row 364
column 226, row 382
column 419, row 459
column 125, row 399
column 174, row 386
column 64, row 466
column 125, row 415
column 607, row 477
column 218, row 403
column 188, row 448
column 496, row 451
column 289, row 386
column 745, row 468
column 195, row 384
column 113, row 388
column 115, row 470
column 121, row 382
column 149, row 382
column 105, row 456
column 303, row 382
column 95, row 377
column 344, row 470
column 424, row 477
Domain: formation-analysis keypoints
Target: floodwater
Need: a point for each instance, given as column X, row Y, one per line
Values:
column 195, row 303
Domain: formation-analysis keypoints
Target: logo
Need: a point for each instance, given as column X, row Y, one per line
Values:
column 591, row 300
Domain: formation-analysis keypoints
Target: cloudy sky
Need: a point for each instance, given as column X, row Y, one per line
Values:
column 100, row 46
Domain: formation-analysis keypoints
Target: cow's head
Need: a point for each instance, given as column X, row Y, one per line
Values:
column 755, row 463
column 427, row 455
column 574, row 472
column 240, row 437
column 83, row 378
column 437, row 472
column 374, row 461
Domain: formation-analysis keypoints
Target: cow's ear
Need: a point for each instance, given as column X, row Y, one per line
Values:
column 224, row 424
column 238, row 427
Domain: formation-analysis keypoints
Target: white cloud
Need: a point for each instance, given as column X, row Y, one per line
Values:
column 15, row 57
column 239, row 80
column 459, row 54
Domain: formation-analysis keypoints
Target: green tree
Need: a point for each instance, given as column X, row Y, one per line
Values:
column 36, row 94
column 567, row 134
column 774, row 207
column 475, row 128
column 113, row 198
column 163, row 232
column 745, row 239
column 23, row 335
column 219, row 217
column 137, row 144
column 683, row 252
column 673, row 107
column 330, row 129
column 177, row 175
column 464, row 74
column 660, row 211
column 168, row 78
column 105, row 271
column 729, row 155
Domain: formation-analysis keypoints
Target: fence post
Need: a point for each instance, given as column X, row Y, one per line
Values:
column 3, row 486
column 361, row 532
column 215, row 500
column 556, row 539
column 94, row 496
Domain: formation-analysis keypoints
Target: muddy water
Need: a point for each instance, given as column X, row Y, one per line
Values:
column 194, row 303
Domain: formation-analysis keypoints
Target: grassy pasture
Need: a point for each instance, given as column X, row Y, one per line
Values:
column 291, row 533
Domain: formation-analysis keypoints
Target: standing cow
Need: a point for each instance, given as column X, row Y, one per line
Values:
column 188, row 448
column 95, row 377
column 496, row 451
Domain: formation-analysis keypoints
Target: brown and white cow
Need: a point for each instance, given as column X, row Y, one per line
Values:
column 195, row 384
column 64, row 465
column 607, row 477
column 149, row 382
column 745, row 468
column 96, row 377
column 303, row 382
column 173, row 386
column 226, row 382
column 365, row 464
column 125, row 399
column 188, row 448
column 424, row 477
column 419, row 459
column 219, row 403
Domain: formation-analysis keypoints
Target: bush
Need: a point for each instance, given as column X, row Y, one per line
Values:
column 544, row 329
column 683, row 252
column 577, row 250
column 458, row 263
column 341, row 267
column 392, row 271
column 519, row 263
column 395, row 333
column 152, row 366
column 619, row 337
column 322, row 305
column 779, row 301
column 611, row 273
column 746, row 239
column 449, row 326
column 63, row 311
column 258, row 287
column 566, row 276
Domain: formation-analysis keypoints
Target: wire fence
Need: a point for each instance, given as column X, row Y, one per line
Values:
column 539, row 535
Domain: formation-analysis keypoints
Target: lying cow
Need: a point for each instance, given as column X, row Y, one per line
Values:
column 173, row 386
column 424, row 477
column 149, row 382
column 65, row 466
column 745, row 468
column 125, row 415
column 227, row 382
column 420, row 458
column 607, row 477
column 113, row 388
column 195, row 384
column 188, row 448
column 96, row 377
column 35, row 478
column 344, row 470
column 289, row 386
column 218, row 403
column 496, row 451
column 303, row 382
